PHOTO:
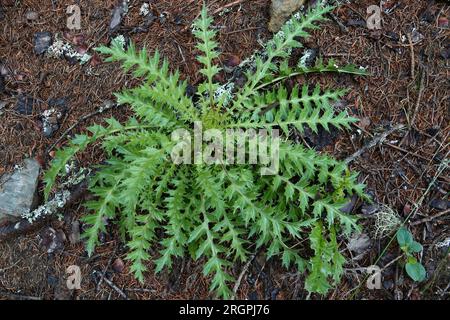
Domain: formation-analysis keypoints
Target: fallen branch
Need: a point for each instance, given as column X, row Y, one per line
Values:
column 429, row 219
column 229, row 5
column 141, row 290
column 342, row 27
column 97, row 287
column 113, row 286
column 243, row 272
column 413, row 64
column 15, row 296
column 375, row 141
column 23, row 226
column 419, row 98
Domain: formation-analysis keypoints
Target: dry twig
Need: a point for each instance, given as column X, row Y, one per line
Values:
column 241, row 275
column 429, row 219
column 375, row 141
column 113, row 286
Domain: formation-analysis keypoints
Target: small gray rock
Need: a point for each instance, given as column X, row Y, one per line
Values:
column 280, row 12
column 52, row 281
column 440, row 204
column 31, row 15
column 42, row 41
column 3, row 70
column 357, row 23
column 117, row 15
column 116, row 19
column 17, row 191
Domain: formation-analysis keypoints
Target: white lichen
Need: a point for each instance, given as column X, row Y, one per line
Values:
column 49, row 120
column 224, row 93
column 250, row 61
column 50, row 208
column 74, row 177
column 60, row 49
column 69, row 167
column 305, row 57
column 386, row 221
column 119, row 41
column 126, row 6
column 145, row 9
column 85, row 58
column 224, row 12
column 18, row 167
column 60, row 199
column 280, row 35
column 443, row 244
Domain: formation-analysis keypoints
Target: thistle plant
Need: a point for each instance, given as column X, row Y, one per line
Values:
column 221, row 213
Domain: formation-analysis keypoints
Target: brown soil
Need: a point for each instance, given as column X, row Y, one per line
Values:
column 397, row 172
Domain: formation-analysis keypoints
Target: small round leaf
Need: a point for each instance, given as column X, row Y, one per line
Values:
column 404, row 237
column 416, row 271
column 415, row 247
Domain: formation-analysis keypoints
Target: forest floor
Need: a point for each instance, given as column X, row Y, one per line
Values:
column 408, row 84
